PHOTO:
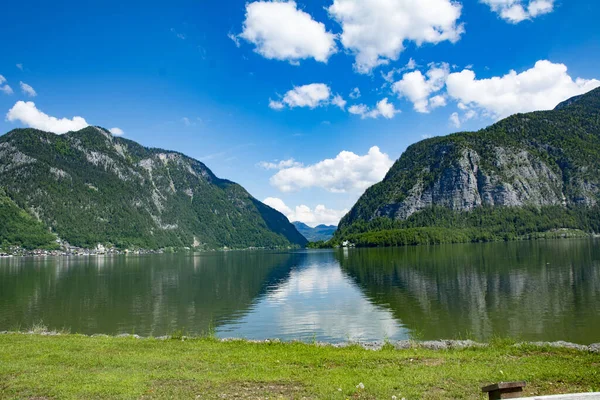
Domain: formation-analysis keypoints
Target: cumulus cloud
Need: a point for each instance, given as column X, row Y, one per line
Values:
column 359, row 109
column 347, row 172
column 281, row 31
column 539, row 88
column 417, row 87
column 382, row 109
column 515, row 11
column 5, row 88
column 27, row 89
column 276, row 105
column 339, row 101
column 289, row 163
column 411, row 64
column 437, row 101
column 376, row 30
column 116, row 131
column 302, row 213
column 29, row 115
column 20, row 66
column 355, row 93
column 455, row 120
column 312, row 96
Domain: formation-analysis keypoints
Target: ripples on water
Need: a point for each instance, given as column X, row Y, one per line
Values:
column 543, row 290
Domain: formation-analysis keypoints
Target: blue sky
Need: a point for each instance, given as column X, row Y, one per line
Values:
column 245, row 86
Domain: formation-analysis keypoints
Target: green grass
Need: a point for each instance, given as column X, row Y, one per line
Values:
column 80, row 367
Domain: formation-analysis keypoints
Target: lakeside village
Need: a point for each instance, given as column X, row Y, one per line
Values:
column 65, row 249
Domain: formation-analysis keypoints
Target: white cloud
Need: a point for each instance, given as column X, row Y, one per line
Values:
column 539, row 88
column 455, row 120
column 376, row 30
column 311, row 217
column 279, row 164
column 515, row 11
column 27, row 89
column 281, row 31
column 437, row 101
column 29, row 115
column 116, row 131
column 347, row 172
column 358, row 109
column 234, row 38
column 382, row 109
column 389, row 76
column 386, row 109
column 418, row 87
column 276, row 105
column 539, row 7
column 20, row 66
column 312, row 96
column 5, row 88
column 355, row 94
column 339, row 101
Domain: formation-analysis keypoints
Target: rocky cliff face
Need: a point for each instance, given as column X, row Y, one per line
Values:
column 539, row 159
column 89, row 187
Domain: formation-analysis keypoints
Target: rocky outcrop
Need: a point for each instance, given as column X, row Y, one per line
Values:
column 516, row 179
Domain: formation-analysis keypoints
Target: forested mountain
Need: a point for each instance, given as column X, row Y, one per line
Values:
column 316, row 234
column 528, row 174
column 88, row 187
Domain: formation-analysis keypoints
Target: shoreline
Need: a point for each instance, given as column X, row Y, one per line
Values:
column 440, row 344
column 81, row 252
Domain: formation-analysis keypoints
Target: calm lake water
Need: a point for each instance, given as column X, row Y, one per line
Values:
column 540, row 290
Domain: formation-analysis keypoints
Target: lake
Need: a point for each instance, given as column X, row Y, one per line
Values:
column 536, row 290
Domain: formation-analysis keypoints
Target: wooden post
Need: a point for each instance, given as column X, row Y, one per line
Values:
column 504, row 390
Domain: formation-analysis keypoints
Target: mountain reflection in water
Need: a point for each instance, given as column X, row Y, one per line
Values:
column 539, row 290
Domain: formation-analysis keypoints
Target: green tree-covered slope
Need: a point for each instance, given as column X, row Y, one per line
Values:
column 89, row 187
column 19, row 228
column 527, row 174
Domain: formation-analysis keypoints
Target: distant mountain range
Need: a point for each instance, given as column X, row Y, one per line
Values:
column 316, row 234
column 90, row 188
column 529, row 175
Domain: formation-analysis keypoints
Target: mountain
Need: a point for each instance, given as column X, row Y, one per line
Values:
column 316, row 234
column 20, row 228
column 89, row 187
column 527, row 174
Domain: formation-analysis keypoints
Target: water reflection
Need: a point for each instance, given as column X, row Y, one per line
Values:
column 318, row 301
column 547, row 290
column 147, row 295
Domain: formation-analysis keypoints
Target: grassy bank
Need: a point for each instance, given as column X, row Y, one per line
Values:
column 74, row 366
